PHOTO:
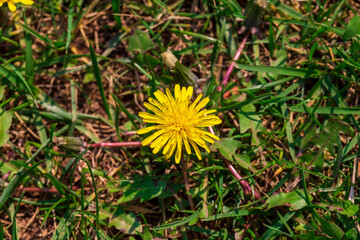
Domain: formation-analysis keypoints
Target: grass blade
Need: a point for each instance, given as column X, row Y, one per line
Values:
column 99, row 81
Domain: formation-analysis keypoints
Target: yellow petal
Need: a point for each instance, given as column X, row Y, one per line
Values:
column 169, row 145
column 211, row 135
column 160, row 143
column 27, row 2
column 161, row 97
column 147, row 129
column 11, row 5
column 189, row 92
column 178, row 150
column 186, row 143
column 197, row 151
column 151, row 138
column 177, row 92
column 153, row 109
column 171, row 150
column 202, row 104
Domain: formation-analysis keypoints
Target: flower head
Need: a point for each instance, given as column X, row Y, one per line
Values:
column 11, row 3
column 179, row 122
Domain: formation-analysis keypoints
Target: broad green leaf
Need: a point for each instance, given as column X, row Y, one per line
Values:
column 228, row 147
column 352, row 29
column 140, row 41
column 144, row 187
column 249, row 119
column 331, row 229
column 344, row 207
column 125, row 222
column 311, row 235
column 329, row 139
column 295, row 200
column 308, row 158
column 5, row 123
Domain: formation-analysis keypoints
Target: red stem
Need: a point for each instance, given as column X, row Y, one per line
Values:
column 232, row 64
column 48, row 190
column 244, row 184
column 117, row 144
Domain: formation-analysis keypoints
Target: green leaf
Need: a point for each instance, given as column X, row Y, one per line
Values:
column 276, row 226
column 116, row 9
column 331, row 229
column 346, row 208
column 228, row 147
column 140, row 41
column 2, row 91
column 352, row 29
column 178, row 223
column 329, row 139
column 311, row 235
column 296, row 72
column 312, row 50
column 248, row 119
column 58, row 185
column 125, row 222
column 70, row 25
column 309, row 157
column 18, row 80
column 326, row 110
column 99, row 81
column 285, row 8
column 143, row 187
column 5, row 123
column 295, row 199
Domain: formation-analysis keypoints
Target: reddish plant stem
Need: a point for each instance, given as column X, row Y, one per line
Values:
column 48, row 190
column 116, row 144
column 232, row 64
column 130, row 133
column 244, row 184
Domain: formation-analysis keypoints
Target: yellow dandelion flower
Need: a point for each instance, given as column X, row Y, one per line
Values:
column 11, row 3
column 178, row 122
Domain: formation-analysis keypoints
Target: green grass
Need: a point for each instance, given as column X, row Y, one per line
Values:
column 84, row 68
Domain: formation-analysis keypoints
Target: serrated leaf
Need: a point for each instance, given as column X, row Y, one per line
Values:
column 143, row 187
column 227, row 148
column 352, row 29
column 248, row 119
column 329, row 139
column 5, row 123
column 344, row 207
column 125, row 222
column 295, row 199
column 318, row 162
column 140, row 41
